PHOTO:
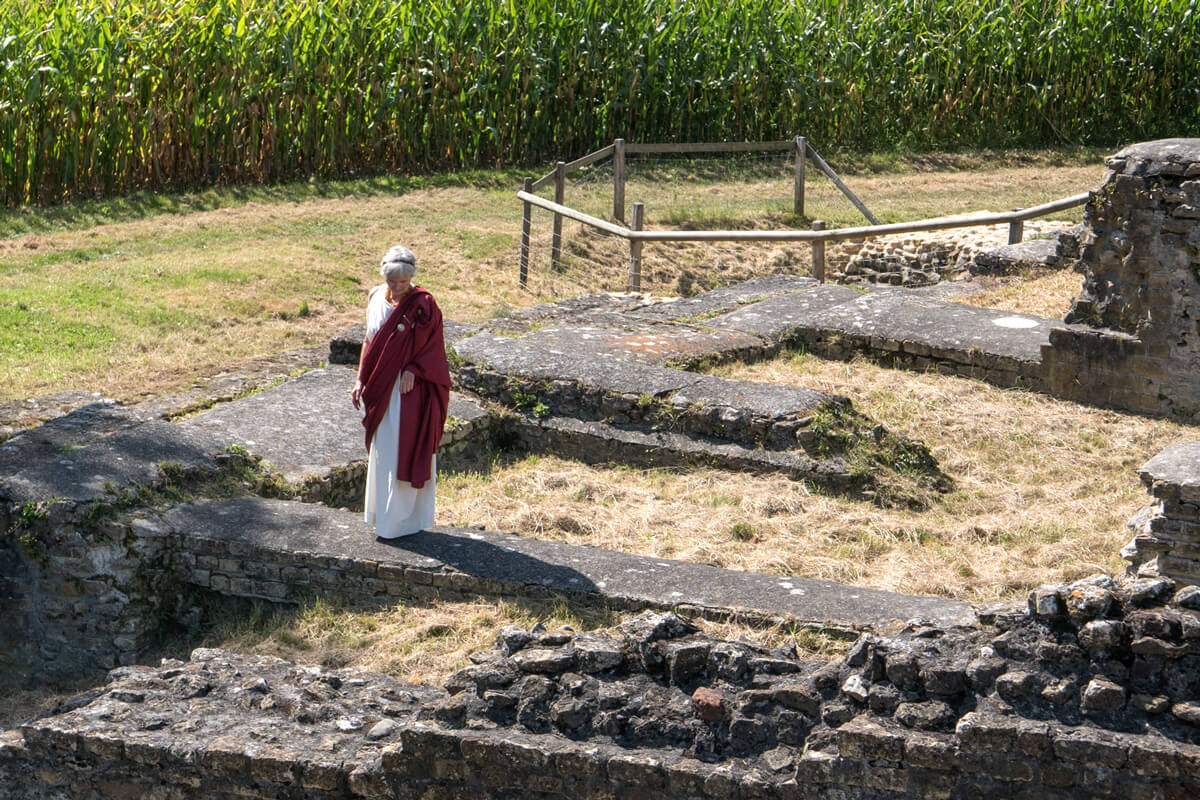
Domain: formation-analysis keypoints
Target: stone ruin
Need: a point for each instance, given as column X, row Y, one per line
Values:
column 926, row 259
column 1135, row 341
column 1090, row 690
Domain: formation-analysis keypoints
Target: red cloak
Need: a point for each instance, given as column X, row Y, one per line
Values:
column 411, row 339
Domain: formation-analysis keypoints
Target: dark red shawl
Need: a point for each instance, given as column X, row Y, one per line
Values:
column 411, row 338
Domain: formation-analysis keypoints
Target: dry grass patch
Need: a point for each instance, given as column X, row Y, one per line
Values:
column 425, row 642
column 1044, row 488
column 1044, row 294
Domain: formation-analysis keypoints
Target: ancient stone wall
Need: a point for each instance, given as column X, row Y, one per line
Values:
column 1168, row 531
column 1140, row 304
column 1091, row 692
column 79, row 594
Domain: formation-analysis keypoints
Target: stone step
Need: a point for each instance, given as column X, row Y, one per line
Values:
column 572, row 381
column 287, row 551
column 597, row 442
column 909, row 329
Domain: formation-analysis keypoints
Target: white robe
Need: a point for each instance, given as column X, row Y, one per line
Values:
column 394, row 507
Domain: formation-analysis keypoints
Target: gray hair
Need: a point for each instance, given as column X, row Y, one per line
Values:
column 398, row 261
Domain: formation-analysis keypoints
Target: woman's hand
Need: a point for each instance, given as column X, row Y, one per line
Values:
column 407, row 379
column 356, row 394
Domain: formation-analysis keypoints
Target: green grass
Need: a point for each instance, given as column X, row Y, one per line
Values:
column 131, row 299
column 99, row 98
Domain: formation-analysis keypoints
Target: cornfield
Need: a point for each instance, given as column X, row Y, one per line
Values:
column 101, row 97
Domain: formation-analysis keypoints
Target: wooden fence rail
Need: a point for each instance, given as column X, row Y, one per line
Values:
column 817, row 237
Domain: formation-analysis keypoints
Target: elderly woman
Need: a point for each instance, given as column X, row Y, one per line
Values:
column 404, row 386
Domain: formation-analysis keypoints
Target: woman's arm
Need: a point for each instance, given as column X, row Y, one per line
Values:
column 356, row 392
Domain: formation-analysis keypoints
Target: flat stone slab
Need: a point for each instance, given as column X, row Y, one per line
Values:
column 61, row 435
column 724, row 299
column 1178, row 465
column 515, row 563
column 775, row 318
column 303, row 427
column 761, row 399
column 1019, row 257
column 523, row 359
column 596, row 442
column 306, row 426
column 642, row 342
column 121, row 461
column 901, row 317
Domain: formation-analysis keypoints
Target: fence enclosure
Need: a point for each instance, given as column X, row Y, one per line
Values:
column 803, row 151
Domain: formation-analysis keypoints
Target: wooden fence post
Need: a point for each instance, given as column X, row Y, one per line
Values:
column 635, row 249
column 526, row 222
column 801, row 157
column 818, row 252
column 619, row 179
column 560, row 188
column 1016, row 230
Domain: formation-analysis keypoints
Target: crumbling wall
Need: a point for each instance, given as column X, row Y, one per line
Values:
column 1136, row 342
column 1167, row 541
column 1093, row 691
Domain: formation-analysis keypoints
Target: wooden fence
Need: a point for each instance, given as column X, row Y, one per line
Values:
column 817, row 237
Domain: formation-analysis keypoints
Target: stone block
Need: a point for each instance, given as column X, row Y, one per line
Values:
column 1091, row 746
column 867, row 739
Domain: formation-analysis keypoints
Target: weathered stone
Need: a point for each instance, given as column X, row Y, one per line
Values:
column 1187, row 712
column 1102, row 696
column 544, row 660
column 1103, row 634
column 982, row 672
column 855, row 688
column 1018, row 684
column 1047, row 601
column 1188, row 597
column 1086, row 603
column 944, row 679
column 708, row 704
column 382, row 730
column 930, row 715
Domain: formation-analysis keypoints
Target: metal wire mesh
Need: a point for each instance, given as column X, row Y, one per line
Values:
column 740, row 191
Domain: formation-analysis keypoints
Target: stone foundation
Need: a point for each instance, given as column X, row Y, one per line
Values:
column 924, row 259
column 1141, row 294
column 1091, row 692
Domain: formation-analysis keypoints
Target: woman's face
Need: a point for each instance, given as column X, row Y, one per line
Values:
column 399, row 285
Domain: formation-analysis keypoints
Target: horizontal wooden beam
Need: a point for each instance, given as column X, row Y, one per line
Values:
column 837, row 234
column 579, row 163
column 864, row 232
column 710, row 147
column 578, row 216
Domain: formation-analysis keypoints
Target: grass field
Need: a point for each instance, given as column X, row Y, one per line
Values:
column 142, row 296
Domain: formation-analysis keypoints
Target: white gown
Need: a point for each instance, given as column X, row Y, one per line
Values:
column 394, row 507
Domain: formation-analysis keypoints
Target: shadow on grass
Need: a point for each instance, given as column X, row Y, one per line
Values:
column 174, row 200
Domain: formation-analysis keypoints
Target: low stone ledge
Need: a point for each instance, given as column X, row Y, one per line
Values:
column 333, row 552
column 600, row 442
